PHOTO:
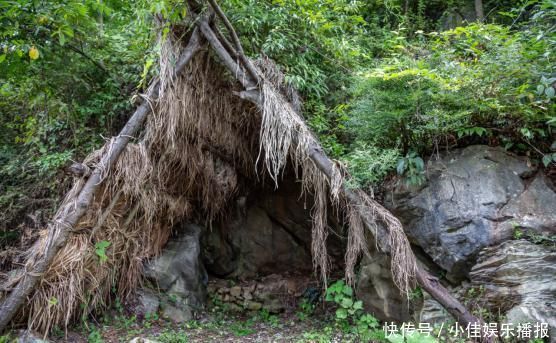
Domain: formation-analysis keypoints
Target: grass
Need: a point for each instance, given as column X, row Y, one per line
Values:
column 217, row 326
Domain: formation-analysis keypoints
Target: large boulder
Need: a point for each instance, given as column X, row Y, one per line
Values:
column 380, row 296
column 519, row 278
column 473, row 198
column 179, row 272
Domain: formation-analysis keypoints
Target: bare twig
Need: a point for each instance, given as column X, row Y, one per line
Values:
column 244, row 60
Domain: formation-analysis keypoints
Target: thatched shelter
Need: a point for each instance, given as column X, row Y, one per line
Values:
column 218, row 122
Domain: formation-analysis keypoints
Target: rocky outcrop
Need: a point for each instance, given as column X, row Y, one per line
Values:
column 519, row 279
column 379, row 294
column 466, row 221
column 179, row 275
column 474, row 197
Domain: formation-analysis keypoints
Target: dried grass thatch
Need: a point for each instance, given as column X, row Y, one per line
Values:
column 199, row 142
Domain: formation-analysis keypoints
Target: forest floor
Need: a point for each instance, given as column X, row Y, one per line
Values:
column 208, row 327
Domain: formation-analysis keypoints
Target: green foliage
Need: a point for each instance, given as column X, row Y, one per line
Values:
column 266, row 317
column 466, row 85
column 417, row 293
column 242, row 328
column 349, row 315
column 369, row 164
column 100, row 250
column 412, row 168
column 305, row 309
column 320, row 336
column 171, row 336
column 67, row 70
column 414, row 337
column 95, row 336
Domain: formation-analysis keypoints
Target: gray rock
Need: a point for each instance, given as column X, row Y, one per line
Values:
column 253, row 305
column 376, row 289
column 274, row 305
column 179, row 269
column 519, row 278
column 265, row 246
column 177, row 314
column 470, row 201
column 27, row 336
column 142, row 340
column 534, row 210
column 432, row 312
column 148, row 301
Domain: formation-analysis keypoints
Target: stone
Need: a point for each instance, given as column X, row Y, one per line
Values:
column 253, row 305
column 432, row 312
column 533, row 211
column 274, row 305
column 177, row 314
column 519, row 279
column 235, row 291
column 472, row 199
column 235, row 308
column 247, row 295
column 377, row 291
column 27, row 336
column 179, row 270
column 142, row 340
column 148, row 301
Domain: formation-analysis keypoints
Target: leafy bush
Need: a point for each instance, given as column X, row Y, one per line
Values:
column 473, row 84
column 350, row 316
column 369, row 164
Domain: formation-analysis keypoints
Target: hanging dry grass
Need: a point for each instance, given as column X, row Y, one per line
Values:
column 285, row 137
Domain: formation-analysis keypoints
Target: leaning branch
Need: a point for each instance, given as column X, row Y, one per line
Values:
column 68, row 217
column 325, row 165
column 239, row 49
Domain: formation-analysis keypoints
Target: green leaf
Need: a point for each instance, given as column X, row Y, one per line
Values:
column 53, row 301
column 549, row 92
column 2, row 58
column 347, row 291
column 419, row 163
column 346, row 302
column 61, row 38
column 341, row 313
column 401, row 166
column 358, row 305
column 546, row 160
column 100, row 250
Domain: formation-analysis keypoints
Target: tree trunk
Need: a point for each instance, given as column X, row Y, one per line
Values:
column 325, row 165
column 67, row 220
column 479, row 11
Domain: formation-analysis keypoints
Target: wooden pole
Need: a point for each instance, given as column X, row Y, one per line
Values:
column 68, row 220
